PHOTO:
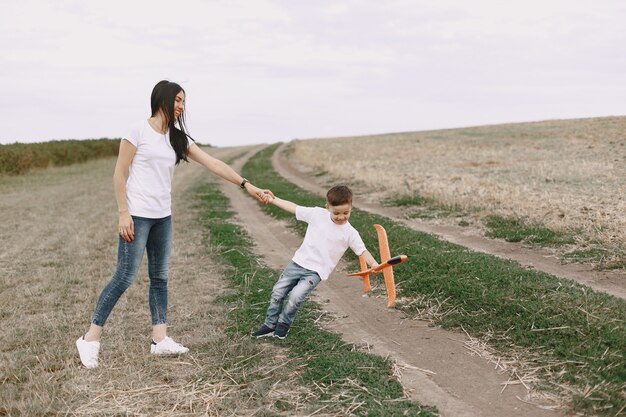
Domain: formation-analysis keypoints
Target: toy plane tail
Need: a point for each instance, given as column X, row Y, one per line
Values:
column 385, row 255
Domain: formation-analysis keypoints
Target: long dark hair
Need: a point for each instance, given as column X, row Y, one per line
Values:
column 162, row 98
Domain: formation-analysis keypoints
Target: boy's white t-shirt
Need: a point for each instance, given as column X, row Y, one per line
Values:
column 149, row 183
column 325, row 242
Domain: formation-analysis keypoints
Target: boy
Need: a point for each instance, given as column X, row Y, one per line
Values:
column 327, row 237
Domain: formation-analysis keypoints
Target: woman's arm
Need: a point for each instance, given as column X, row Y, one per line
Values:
column 124, row 158
column 225, row 171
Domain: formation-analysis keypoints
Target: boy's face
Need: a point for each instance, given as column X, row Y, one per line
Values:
column 339, row 214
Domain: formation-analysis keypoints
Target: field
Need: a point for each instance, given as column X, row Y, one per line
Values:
column 471, row 334
column 565, row 175
column 19, row 158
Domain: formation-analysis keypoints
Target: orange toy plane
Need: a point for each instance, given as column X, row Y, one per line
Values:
column 386, row 265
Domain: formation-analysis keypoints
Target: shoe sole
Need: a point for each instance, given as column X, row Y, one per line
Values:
column 280, row 337
column 263, row 335
column 168, row 353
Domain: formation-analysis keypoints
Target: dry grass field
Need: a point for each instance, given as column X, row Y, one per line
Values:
column 565, row 174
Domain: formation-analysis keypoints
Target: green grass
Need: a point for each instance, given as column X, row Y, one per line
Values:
column 19, row 158
column 576, row 335
column 517, row 230
column 603, row 258
column 331, row 368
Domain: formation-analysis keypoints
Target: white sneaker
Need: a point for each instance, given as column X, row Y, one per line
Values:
column 167, row 346
column 88, row 352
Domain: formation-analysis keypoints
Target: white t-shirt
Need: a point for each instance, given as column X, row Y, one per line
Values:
column 325, row 242
column 149, row 183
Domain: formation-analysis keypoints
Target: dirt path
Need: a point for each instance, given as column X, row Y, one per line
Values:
column 611, row 282
column 436, row 367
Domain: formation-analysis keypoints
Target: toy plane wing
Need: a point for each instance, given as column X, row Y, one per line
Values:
column 383, row 243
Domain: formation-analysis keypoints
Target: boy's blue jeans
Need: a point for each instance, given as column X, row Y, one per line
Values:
column 155, row 237
column 294, row 284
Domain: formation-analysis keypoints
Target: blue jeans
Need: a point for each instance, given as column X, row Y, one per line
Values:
column 155, row 237
column 294, row 284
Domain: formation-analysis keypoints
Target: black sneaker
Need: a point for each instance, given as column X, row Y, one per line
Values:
column 281, row 330
column 263, row 331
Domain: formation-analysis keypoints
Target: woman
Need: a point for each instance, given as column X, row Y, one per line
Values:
column 142, row 180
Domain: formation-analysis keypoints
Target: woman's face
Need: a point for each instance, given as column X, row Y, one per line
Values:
column 179, row 104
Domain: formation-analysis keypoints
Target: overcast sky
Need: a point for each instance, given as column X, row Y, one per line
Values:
column 266, row 71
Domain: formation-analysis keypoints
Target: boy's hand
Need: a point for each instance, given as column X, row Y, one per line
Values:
column 370, row 260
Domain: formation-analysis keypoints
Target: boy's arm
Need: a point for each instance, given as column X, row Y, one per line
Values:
column 369, row 259
column 283, row 204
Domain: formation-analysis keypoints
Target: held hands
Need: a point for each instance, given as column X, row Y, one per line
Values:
column 265, row 196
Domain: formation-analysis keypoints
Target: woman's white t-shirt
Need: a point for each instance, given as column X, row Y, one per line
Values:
column 325, row 242
column 149, row 183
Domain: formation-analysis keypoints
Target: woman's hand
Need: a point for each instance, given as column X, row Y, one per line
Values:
column 126, row 227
